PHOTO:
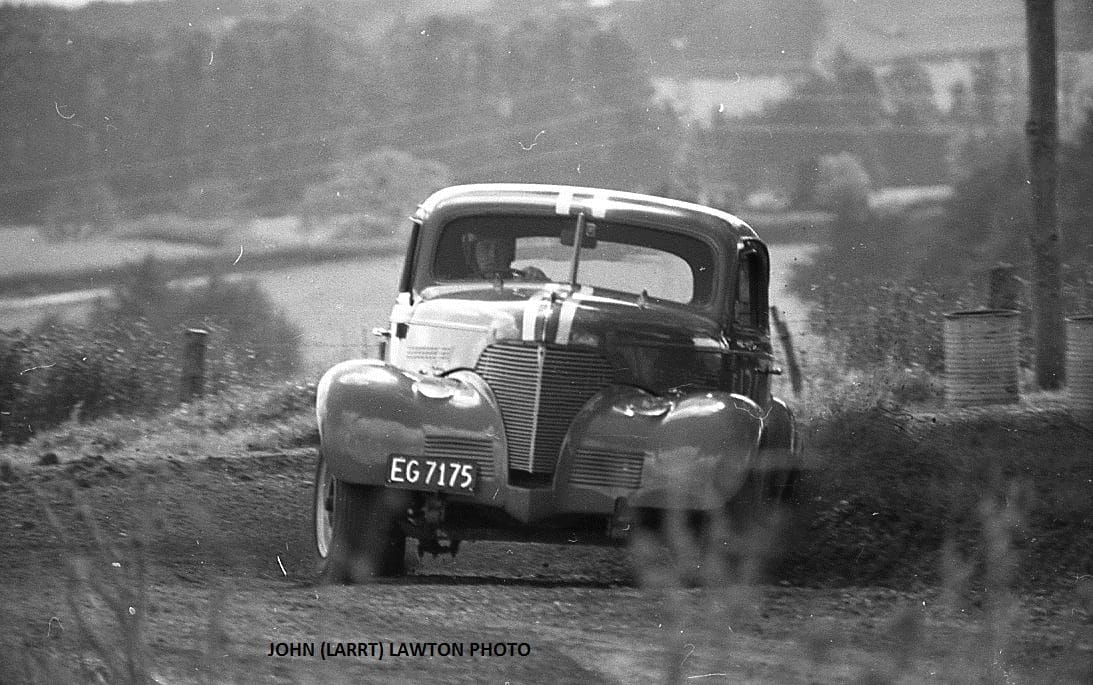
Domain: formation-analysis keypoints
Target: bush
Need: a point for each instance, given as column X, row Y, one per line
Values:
column 65, row 372
column 128, row 359
column 251, row 338
column 884, row 325
column 843, row 185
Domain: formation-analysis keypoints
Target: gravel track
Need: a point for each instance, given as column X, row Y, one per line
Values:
column 227, row 570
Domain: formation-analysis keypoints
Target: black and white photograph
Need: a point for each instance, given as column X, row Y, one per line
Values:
column 562, row 342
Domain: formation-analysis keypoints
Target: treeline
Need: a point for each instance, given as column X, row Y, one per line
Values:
column 256, row 110
column 209, row 109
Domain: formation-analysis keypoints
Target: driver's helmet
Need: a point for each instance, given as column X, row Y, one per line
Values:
column 489, row 255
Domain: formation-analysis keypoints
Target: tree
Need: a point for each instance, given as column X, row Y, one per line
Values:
column 849, row 93
column 911, row 94
column 1075, row 200
column 381, row 188
column 1076, row 25
column 986, row 88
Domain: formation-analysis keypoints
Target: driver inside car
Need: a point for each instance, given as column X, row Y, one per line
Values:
column 491, row 257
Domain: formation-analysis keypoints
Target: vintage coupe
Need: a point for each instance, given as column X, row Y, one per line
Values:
column 560, row 363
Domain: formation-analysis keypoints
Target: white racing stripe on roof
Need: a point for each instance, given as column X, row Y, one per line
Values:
column 564, row 202
column 598, row 205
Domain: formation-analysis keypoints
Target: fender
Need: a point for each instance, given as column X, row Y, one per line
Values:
column 688, row 451
column 368, row 410
column 780, row 446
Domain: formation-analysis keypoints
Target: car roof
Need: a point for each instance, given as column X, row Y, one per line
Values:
column 600, row 203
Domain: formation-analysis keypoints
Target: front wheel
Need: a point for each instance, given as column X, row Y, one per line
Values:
column 748, row 536
column 357, row 535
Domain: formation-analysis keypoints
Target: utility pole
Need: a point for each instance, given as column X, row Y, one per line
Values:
column 1042, row 132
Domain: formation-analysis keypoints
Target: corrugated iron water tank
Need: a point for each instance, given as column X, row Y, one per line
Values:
column 1079, row 367
column 981, row 357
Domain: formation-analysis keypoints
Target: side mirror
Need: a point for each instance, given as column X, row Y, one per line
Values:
column 588, row 240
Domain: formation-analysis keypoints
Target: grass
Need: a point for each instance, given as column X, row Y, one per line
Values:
column 237, row 420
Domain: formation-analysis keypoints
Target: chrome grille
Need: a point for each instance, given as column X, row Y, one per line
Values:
column 540, row 388
column 606, row 468
column 478, row 450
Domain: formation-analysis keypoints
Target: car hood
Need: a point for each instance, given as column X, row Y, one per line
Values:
column 559, row 314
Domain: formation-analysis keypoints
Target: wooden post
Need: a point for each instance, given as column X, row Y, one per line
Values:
column 193, row 364
column 1003, row 288
column 1042, row 132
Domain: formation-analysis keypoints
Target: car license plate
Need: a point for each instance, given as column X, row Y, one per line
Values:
column 428, row 473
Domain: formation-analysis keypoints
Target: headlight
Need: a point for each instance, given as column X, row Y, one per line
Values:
column 436, row 388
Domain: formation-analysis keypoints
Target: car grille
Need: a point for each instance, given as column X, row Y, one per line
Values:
column 608, row 469
column 478, row 450
column 540, row 388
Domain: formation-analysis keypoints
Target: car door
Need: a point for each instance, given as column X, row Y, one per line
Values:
column 750, row 354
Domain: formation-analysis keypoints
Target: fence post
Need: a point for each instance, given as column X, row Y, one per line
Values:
column 1003, row 289
column 193, row 363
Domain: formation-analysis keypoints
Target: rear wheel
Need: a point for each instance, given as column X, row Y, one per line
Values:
column 357, row 535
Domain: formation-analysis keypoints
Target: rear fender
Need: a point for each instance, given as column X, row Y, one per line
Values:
column 368, row 410
column 696, row 449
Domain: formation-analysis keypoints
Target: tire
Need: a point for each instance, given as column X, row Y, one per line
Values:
column 357, row 535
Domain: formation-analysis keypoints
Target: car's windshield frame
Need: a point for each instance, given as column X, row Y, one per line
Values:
column 448, row 262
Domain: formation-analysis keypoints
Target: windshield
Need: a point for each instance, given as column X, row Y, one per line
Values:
column 631, row 259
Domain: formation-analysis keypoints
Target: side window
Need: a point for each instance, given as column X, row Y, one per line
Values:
column 750, row 302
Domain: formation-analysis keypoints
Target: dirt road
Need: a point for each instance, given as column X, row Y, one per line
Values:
column 200, row 569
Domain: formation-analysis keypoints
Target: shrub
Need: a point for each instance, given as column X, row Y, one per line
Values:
column 64, row 372
column 843, row 185
column 127, row 360
column 884, row 325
